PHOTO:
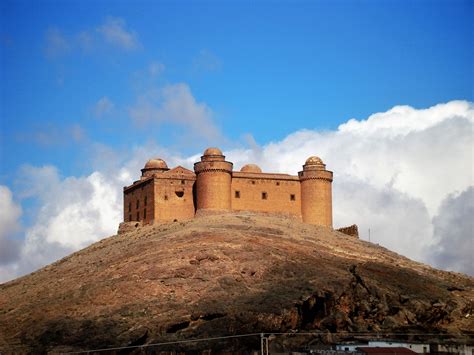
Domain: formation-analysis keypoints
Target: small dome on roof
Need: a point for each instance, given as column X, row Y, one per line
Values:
column 251, row 168
column 212, row 151
column 314, row 161
column 156, row 163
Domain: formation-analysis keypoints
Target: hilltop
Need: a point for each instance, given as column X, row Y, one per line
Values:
column 224, row 274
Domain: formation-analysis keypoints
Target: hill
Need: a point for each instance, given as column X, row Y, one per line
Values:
column 226, row 274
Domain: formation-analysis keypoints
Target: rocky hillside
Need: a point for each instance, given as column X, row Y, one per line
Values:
column 229, row 274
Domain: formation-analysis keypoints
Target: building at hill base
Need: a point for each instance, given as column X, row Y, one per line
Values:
column 165, row 195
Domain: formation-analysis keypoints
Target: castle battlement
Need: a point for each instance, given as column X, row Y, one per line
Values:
column 165, row 195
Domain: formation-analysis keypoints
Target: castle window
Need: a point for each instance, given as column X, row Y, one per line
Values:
column 144, row 213
column 138, row 203
column 138, row 216
column 237, row 194
column 264, row 195
column 292, row 197
column 166, row 197
column 253, row 182
column 129, row 207
column 144, row 202
column 179, row 193
column 278, row 183
column 182, row 182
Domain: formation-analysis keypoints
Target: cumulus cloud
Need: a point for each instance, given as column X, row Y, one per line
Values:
column 406, row 174
column 454, row 233
column 392, row 171
column 74, row 212
column 9, row 225
column 175, row 104
column 103, row 107
column 115, row 33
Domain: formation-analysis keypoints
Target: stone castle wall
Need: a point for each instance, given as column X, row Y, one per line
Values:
column 352, row 230
column 173, row 200
column 164, row 195
column 266, row 193
column 213, row 183
column 138, row 202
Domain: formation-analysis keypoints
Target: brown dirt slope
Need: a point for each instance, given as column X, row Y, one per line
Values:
column 228, row 274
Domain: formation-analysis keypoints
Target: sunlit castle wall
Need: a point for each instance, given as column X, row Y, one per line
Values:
column 253, row 190
column 213, row 181
column 316, row 193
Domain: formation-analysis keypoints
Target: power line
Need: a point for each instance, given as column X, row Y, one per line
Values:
column 165, row 343
column 378, row 335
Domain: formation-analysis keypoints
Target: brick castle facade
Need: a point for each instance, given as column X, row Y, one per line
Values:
column 165, row 195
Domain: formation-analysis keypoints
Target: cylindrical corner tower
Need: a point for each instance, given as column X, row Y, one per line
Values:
column 316, row 193
column 213, row 181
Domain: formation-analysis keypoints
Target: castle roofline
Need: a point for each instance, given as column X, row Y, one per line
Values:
column 137, row 183
column 274, row 176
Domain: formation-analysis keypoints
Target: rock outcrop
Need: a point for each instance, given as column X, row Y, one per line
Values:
column 229, row 274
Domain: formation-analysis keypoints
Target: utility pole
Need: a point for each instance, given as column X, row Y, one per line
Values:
column 264, row 344
column 369, row 235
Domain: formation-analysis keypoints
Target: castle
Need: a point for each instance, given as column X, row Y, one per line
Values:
column 165, row 195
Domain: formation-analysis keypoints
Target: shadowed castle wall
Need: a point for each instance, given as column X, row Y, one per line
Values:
column 138, row 202
column 266, row 193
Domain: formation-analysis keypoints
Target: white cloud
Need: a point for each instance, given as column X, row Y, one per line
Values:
column 9, row 225
column 454, row 233
column 175, row 104
column 407, row 179
column 103, row 107
column 392, row 171
column 114, row 32
column 74, row 212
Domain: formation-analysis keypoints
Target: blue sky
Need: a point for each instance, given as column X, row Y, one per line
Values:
column 264, row 68
column 82, row 79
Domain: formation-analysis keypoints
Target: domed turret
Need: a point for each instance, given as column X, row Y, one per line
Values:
column 313, row 160
column 212, row 151
column 314, row 163
column 156, row 163
column 212, row 154
column 251, row 168
column 154, row 166
column 316, row 192
column 213, row 181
